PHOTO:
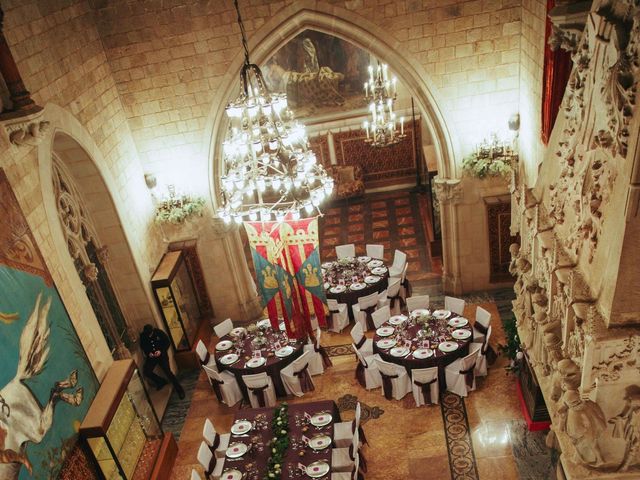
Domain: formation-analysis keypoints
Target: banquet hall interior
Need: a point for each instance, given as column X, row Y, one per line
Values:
column 332, row 239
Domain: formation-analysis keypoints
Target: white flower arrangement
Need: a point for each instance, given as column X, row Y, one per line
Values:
column 490, row 159
column 176, row 209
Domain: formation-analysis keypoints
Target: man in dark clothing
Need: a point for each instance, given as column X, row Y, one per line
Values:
column 155, row 343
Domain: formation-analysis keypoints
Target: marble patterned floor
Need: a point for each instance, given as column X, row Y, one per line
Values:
column 408, row 442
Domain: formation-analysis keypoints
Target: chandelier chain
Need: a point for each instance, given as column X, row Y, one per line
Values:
column 243, row 33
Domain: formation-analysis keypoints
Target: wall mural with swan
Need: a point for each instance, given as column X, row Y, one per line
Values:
column 46, row 381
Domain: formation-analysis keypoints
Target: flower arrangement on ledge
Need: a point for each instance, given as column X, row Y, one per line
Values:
column 280, row 441
column 177, row 208
column 491, row 159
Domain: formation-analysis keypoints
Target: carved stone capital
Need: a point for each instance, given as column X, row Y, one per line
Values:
column 103, row 254
column 90, row 272
column 569, row 19
column 448, row 190
column 27, row 130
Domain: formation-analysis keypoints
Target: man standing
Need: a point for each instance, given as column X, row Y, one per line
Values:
column 155, row 343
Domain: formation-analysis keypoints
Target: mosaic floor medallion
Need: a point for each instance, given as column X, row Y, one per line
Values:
column 462, row 460
column 348, row 402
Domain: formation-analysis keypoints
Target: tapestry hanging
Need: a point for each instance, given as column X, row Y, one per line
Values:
column 46, row 380
column 288, row 273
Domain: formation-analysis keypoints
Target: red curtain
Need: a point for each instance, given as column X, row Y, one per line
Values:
column 557, row 68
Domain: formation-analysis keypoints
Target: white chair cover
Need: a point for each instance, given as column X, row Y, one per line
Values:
column 345, row 459
column 429, row 378
column 483, row 320
column 481, row 363
column 419, row 301
column 292, row 382
column 398, row 381
column 343, row 431
column 382, row 298
column 217, row 442
column 454, row 304
column 375, row 251
column 223, row 328
column 224, row 385
column 364, row 344
column 339, row 315
column 359, row 309
column 399, row 260
column 316, row 366
column 196, row 476
column 369, row 370
column 393, row 298
column 260, row 382
column 212, row 466
column 344, row 251
column 460, row 375
column 381, row 315
column 405, row 289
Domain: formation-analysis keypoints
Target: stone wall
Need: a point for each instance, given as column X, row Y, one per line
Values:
column 577, row 306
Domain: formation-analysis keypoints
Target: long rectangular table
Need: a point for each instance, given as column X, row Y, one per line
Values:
column 254, row 462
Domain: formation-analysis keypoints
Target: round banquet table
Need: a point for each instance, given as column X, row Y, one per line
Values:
column 242, row 345
column 441, row 332
column 343, row 272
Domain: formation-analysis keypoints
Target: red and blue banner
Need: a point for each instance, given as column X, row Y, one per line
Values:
column 288, row 273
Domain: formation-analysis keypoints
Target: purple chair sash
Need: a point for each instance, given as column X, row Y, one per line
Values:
column 216, row 443
column 361, row 342
column 306, row 384
column 326, row 361
column 215, row 384
column 211, row 467
column 259, row 393
column 207, row 357
column 368, row 311
column 407, row 287
column 481, row 328
column 426, row 389
column 360, row 375
column 330, row 318
column 392, row 301
column 387, row 386
column 468, row 375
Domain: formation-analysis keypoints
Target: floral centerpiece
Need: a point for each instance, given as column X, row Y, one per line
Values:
column 346, row 269
column 491, row 159
column 279, row 442
column 177, row 208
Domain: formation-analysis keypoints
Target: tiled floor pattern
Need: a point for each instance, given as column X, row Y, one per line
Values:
column 393, row 219
column 408, row 442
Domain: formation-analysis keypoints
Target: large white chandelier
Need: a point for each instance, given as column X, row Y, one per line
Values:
column 381, row 93
column 270, row 171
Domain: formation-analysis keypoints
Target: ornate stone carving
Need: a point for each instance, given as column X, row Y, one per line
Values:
column 448, row 190
column 90, row 272
column 30, row 133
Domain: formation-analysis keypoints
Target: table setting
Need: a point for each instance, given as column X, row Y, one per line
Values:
column 424, row 339
column 348, row 279
column 255, row 349
column 287, row 442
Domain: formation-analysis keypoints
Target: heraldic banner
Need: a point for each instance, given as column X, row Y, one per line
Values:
column 288, row 274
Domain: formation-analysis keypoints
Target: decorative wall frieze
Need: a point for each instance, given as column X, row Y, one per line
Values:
column 448, row 190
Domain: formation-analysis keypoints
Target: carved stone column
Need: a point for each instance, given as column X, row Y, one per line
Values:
column 449, row 194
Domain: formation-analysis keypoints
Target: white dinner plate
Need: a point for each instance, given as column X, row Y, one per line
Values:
column 372, row 279
column 318, row 469
column 374, row 263
column 397, row 319
column 236, row 450
column 357, row 286
column 441, row 314
column 364, row 259
column 321, row 419
column 399, row 351
column 327, row 265
column 232, row 474
column 385, row 331
column 241, row 426
column 458, row 322
column 338, row 289
column 236, row 332
column 224, row 345
column 319, row 442
column 421, row 353
column 284, row 351
column 256, row 362
column 461, row 334
column 229, row 358
column 447, row 347
column 265, row 322
column 379, row 270
column 386, row 343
